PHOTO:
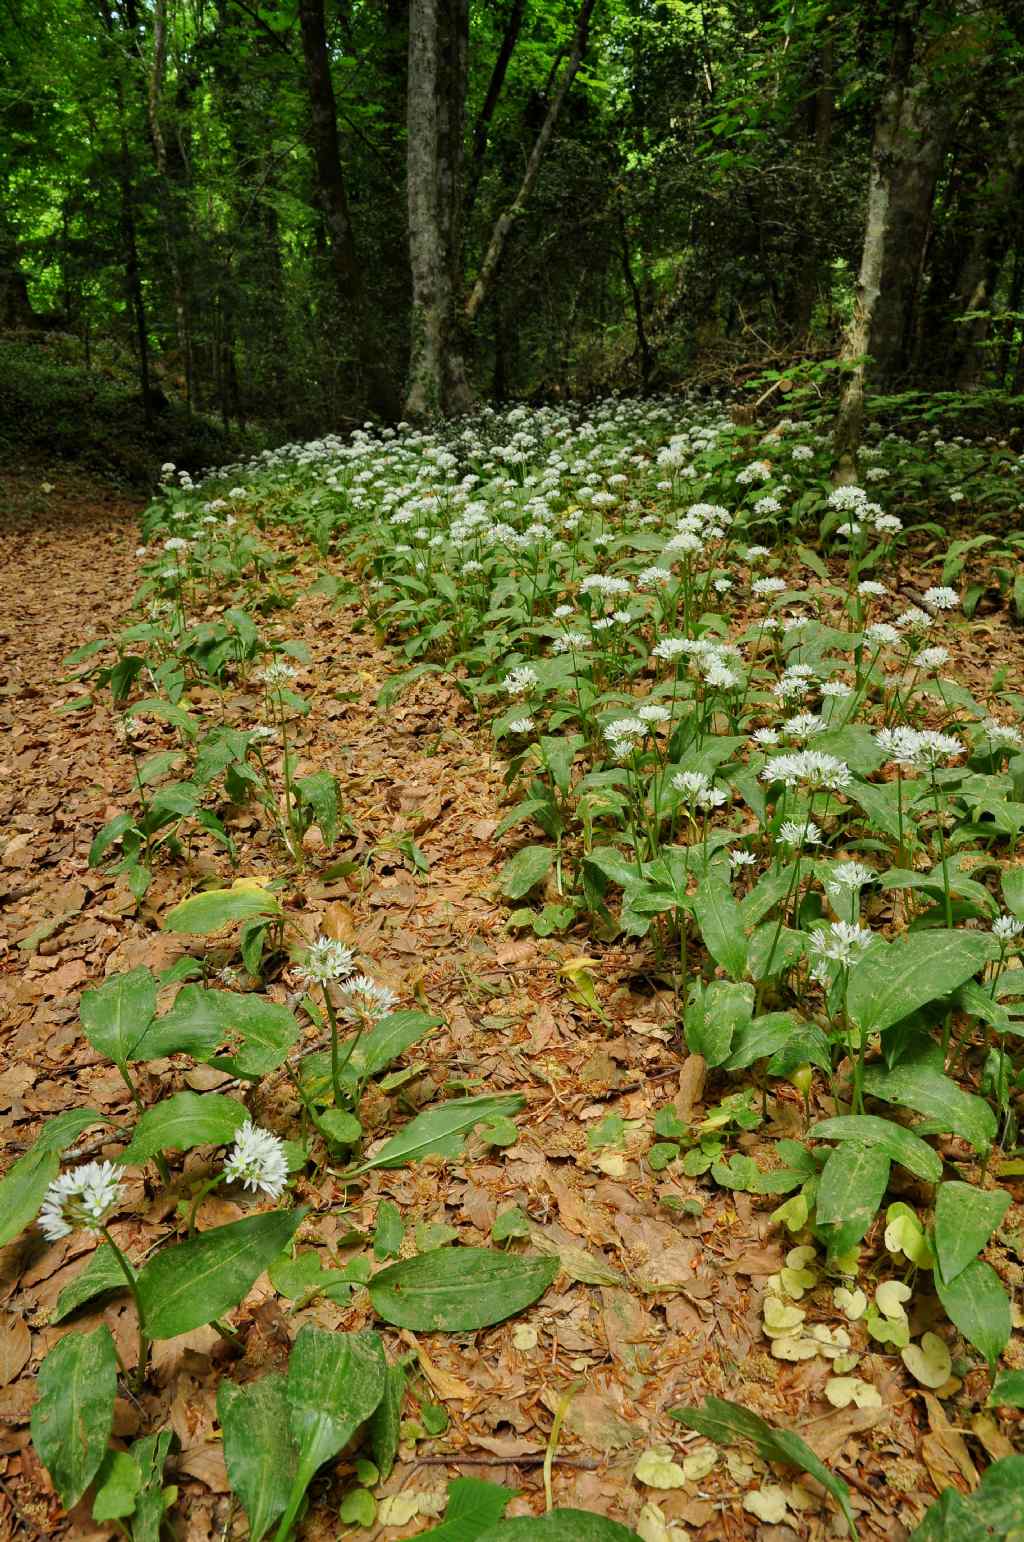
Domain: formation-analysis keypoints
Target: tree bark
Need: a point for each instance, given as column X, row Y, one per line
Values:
column 333, row 197
column 168, row 201
column 506, row 220
column 438, row 46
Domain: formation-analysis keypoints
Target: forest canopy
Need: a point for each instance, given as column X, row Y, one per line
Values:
column 309, row 212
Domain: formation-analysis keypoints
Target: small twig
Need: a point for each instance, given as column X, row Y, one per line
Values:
column 583, row 1464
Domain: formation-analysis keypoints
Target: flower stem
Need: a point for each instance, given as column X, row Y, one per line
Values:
column 133, row 1286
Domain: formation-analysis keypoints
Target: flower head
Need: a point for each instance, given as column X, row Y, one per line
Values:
column 941, row 597
column 1006, row 928
column 364, row 998
column 793, row 834
column 841, row 942
column 327, row 960
column 257, row 1160
column 276, row 675
column 80, row 1200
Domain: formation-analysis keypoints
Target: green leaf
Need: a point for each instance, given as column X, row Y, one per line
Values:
column 193, row 1283
column 850, row 1191
column 512, row 1222
column 117, row 1013
column 117, row 1484
column 721, row 926
column 457, row 1290
column 335, row 1383
column 386, row 1422
column 929, row 1092
column 440, row 1130
column 965, row 1218
column 193, row 1026
column 24, row 1187
column 901, row 1145
column 525, row 869
column 976, row 1303
column 258, row 1451
column 761, row 1038
column 150, row 1454
column 168, row 712
column 1013, row 890
column 388, row 1231
column 101, row 1273
column 712, row 1019
column 72, row 1420
column 266, row 1028
column 725, row 1422
column 807, row 1045
column 209, row 912
column 1007, row 1390
column 389, row 1038
column 185, row 1120
column 319, row 791
column 951, row 1518
column 893, row 979
column 558, row 1526
column 473, row 1506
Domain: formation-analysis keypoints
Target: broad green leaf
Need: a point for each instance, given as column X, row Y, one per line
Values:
column 473, row 1506
column 940, row 1099
column 1007, row 1390
column 457, row 1290
column 150, row 1454
column 807, row 1045
column 185, row 1120
column 386, row 1422
column 24, row 1186
column 998, row 1501
column 714, row 1017
column 194, row 1026
column 101, row 1273
column 976, row 1303
column 201, row 914
column 185, row 1286
column 850, row 1191
column 1013, row 890
column 335, row 1382
column 893, row 979
column 965, row 1218
column 725, row 1422
column 762, row 1037
column 117, row 1013
column 901, row 1145
column 525, row 869
column 950, row 1519
column 389, row 1038
column 258, row 1450
column 559, row 1526
column 72, row 1420
column 168, row 712
column 389, row 1230
column 441, row 1129
column 259, row 1032
column 117, row 1484
column 721, row 926
column 319, row 791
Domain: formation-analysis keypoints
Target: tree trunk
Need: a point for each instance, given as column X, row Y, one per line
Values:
column 505, row 221
column 438, row 45
column 494, row 87
column 168, row 202
column 824, row 112
column 850, row 419
column 330, row 182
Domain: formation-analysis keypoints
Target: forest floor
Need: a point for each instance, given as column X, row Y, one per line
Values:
column 661, row 1292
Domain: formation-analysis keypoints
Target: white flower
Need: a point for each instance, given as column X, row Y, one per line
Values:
column 765, row 736
column 1006, row 928
column 931, row 658
column 840, row 942
column 941, row 598
column 812, row 767
column 570, row 641
column 175, row 544
column 899, row 744
column 768, row 586
column 653, row 712
column 521, row 725
column 836, row 688
column 625, row 728
column 257, row 1160
column 802, row 452
column 80, row 1200
column 754, row 553
column 793, row 834
column 276, row 675
column 697, row 789
column 930, row 748
column 327, row 960
column 804, row 725
column 1002, row 736
column 740, row 858
column 848, row 875
column 870, row 587
column 671, row 648
column 520, row 681
column 882, row 632
column 915, row 618
column 365, row 998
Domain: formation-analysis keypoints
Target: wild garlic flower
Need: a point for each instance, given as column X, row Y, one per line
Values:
column 812, row 767
column 1006, row 928
column 569, row 641
column 1002, row 736
column 840, row 942
column 882, row 632
column 176, row 543
column 848, row 875
column 624, row 728
column 793, row 834
column 763, row 586
column 80, row 1200
column 521, row 725
column 327, row 960
column 257, row 1161
column 697, row 789
column 518, row 682
column 672, row 648
column 941, row 597
column 765, row 737
column 364, row 998
column 276, row 675
column 931, row 658
column 931, row 748
column 871, row 589
column 740, row 858
column 653, row 712
column 804, row 725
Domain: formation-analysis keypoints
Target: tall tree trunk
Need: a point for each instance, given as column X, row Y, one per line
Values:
column 506, row 220
column 168, row 202
column 438, row 45
column 330, row 181
column 850, row 419
column 824, row 112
